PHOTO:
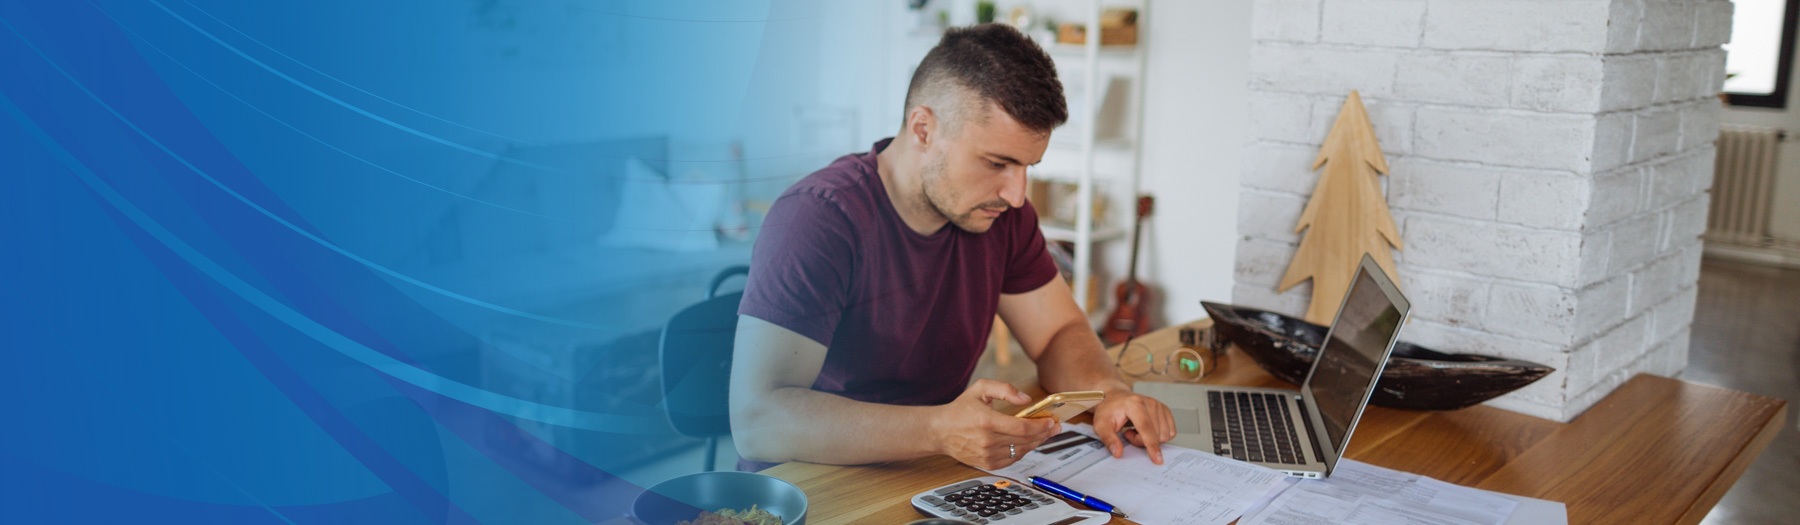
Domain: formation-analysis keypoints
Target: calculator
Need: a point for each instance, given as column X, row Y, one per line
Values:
column 1001, row 501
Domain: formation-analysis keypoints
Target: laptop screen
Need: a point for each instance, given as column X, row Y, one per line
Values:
column 1347, row 363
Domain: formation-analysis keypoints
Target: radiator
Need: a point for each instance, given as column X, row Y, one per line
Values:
column 1743, row 185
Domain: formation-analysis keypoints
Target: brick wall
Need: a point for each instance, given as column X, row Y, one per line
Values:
column 1550, row 161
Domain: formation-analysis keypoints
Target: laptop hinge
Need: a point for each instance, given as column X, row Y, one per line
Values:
column 1313, row 434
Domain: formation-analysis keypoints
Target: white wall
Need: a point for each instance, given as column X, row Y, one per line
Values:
column 1785, row 221
column 1195, row 109
column 1548, row 172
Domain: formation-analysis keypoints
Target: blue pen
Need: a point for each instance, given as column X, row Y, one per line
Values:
column 1090, row 501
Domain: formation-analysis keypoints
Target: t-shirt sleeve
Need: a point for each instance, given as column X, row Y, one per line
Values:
column 1029, row 266
column 800, row 269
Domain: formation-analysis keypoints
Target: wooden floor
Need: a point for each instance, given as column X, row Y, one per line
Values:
column 1747, row 337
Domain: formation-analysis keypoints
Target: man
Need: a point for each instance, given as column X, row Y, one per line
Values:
column 875, row 281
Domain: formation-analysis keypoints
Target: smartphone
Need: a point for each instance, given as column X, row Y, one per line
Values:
column 1063, row 406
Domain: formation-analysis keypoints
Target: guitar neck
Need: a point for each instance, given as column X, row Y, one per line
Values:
column 1144, row 204
column 1137, row 234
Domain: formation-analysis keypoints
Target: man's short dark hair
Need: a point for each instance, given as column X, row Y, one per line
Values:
column 998, row 65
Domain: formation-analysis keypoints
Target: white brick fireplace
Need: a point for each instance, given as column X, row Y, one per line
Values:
column 1550, row 161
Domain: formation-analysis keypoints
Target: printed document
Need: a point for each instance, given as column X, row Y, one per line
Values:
column 1189, row 488
column 1364, row 494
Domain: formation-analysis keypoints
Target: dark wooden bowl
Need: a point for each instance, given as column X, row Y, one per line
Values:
column 1416, row 377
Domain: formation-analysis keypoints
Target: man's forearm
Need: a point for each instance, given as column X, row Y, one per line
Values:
column 1075, row 361
column 800, row 424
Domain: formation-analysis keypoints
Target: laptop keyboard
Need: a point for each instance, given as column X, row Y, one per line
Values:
column 1254, row 426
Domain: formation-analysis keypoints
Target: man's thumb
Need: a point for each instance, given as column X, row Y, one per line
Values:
column 989, row 390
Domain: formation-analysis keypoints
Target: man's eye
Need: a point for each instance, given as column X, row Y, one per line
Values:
column 996, row 165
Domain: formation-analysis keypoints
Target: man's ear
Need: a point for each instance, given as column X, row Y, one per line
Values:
column 921, row 125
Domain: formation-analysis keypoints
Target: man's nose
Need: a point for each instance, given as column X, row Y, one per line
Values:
column 1014, row 190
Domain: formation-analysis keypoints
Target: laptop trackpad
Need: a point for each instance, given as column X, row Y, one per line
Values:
column 1187, row 420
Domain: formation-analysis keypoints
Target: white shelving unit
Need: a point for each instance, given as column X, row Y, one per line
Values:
column 1074, row 149
column 1093, row 58
column 1059, row 233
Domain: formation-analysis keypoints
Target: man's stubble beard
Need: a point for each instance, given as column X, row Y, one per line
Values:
column 936, row 195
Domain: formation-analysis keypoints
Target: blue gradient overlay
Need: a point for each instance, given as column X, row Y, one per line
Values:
column 348, row 262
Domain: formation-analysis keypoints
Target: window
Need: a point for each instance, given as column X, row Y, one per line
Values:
column 1760, row 55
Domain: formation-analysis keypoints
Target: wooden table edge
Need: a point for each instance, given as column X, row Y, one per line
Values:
column 1716, row 489
column 801, row 473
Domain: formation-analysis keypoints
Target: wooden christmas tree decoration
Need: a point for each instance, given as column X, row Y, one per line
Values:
column 1346, row 217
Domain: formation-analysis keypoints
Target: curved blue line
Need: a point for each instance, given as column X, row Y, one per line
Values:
column 272, row 215
column 348, row 105
column 706, row 20
column 347, row 84
column 366, row 92
column 153, row 424
column 228, row 93
column 500, row 403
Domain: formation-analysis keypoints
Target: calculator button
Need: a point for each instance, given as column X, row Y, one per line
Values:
column 1014, row 511
column 960, row 512
column 987, row 512
column 1031, row 506
column 997, row 516
column 934, row 500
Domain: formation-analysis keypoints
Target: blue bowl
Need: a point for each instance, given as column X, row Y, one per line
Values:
column 683, row 498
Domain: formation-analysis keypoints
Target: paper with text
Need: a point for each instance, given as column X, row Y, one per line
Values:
column 1060, row 465
column 1189, row 488
column 1364, row 494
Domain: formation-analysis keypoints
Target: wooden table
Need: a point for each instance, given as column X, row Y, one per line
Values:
column 1657, row 450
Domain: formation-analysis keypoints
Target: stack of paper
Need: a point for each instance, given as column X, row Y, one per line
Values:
column 1189, row 488
column 1196, row 488
column 1360, row 493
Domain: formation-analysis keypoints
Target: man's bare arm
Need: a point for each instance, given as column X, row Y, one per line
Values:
column 1069, row 357
column 1057, row 337
column 776, row 416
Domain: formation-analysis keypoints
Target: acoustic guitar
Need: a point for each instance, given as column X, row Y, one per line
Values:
column 1131, row 315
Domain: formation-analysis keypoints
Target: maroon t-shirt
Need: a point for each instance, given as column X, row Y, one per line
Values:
column 904, row 317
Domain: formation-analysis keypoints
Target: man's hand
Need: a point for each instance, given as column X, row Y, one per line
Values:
column 969, row 429
column 1153, row 423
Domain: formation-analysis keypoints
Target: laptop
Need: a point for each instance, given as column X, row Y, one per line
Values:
column 1301, row 433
